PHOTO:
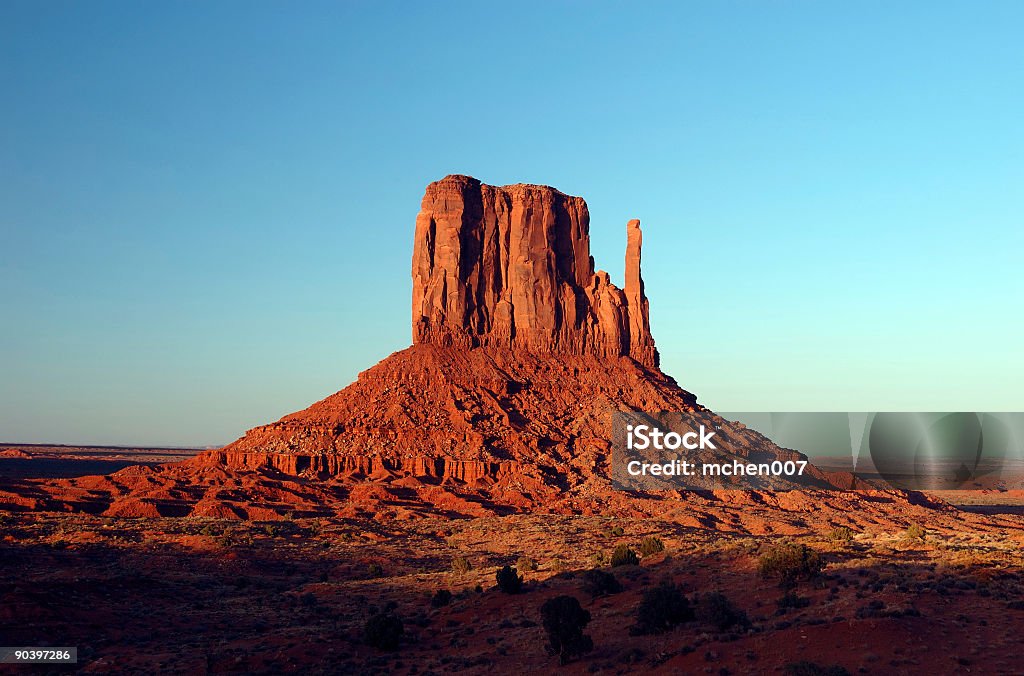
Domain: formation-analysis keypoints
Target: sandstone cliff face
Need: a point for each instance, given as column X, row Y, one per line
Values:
column 511, row 267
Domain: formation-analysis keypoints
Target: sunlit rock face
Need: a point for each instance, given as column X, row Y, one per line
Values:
column 511, row 267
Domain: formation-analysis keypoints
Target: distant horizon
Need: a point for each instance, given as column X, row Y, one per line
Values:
column 208, row 210
column 6, row 444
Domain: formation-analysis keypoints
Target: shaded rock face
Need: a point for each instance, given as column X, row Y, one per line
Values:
column 511, row 267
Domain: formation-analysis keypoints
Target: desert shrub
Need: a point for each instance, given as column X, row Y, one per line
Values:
column 461, row 565
column 375, row 570
column 597, row 582
column 226, row 541
column 383, row 631
column 791, row 600
column 790, row 562
column 805, row 668
column 840, row 534
column 651, row 545
column 526, row 564
column 661, row 608
column 624, row 556
column 509, row 580
column 715, row 609
column 598, row 559
column 915, row 532
column 875, row 608
column 616, row 531
column 441, row 598
column 564, row 620
column 271, row 529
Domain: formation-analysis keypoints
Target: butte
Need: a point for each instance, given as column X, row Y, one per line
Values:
column 521, row 353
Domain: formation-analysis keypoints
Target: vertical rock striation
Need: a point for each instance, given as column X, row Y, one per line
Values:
column 511, row 266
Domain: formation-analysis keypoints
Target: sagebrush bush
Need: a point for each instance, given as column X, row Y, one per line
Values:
column 441, row 598
column 661, row 608
column 461, row 565
column 792, row 600
column 383, row 631
column 915, row 532
column 624, row 556
column 599, row 583
column 526, row 564
column 564, row 620
column 790, row 562
column 651, row 545
column 715, row 609
column 509, row 580
column 805, row 668
column 840, row 534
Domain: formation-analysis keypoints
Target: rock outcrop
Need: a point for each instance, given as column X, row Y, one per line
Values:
column 522, row 354
column 511, row 267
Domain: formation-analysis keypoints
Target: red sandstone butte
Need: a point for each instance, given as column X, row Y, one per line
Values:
column 521, row 354
column 511, row 267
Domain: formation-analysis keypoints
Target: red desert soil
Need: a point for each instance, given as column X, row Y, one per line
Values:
column 206, row 595
column 486, row 443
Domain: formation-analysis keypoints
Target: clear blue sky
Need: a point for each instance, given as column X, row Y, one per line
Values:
column 206, row 208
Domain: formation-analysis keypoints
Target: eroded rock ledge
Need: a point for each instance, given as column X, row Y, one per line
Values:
column 324, row 466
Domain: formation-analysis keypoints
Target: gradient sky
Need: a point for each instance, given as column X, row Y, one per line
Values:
column 207, row 208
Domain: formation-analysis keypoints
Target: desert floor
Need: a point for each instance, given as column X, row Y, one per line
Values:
column 171, row 595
